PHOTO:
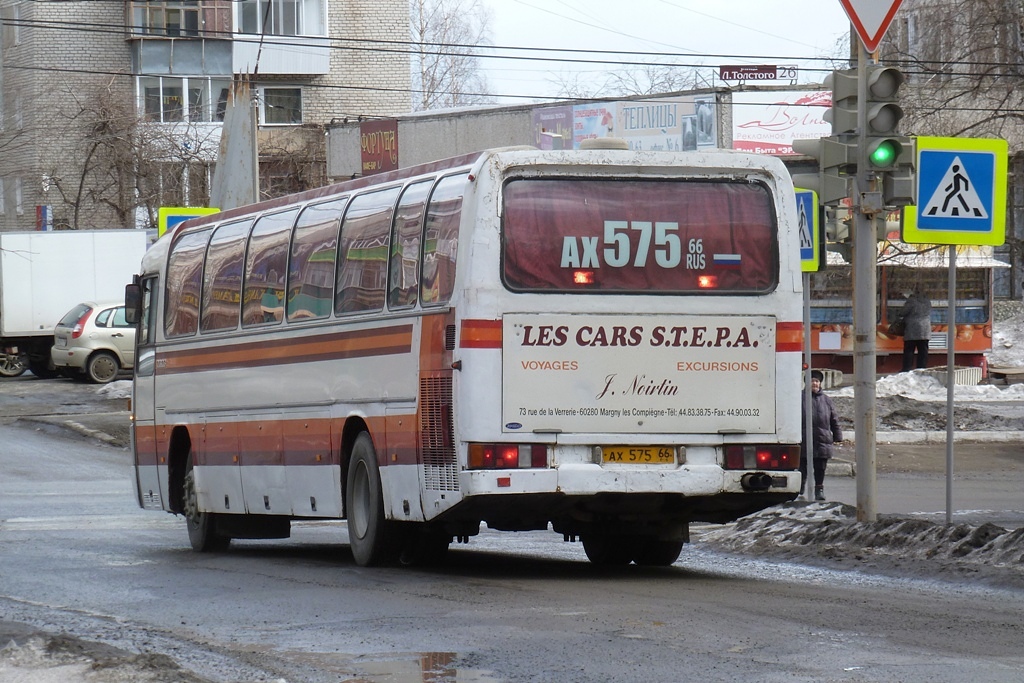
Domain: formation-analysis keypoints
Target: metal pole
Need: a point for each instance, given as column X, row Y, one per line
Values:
column 254, row 93
column 950, row 379
column 865, row 285
column 808, row 488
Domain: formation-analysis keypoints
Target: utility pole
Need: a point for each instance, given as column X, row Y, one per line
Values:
column 865, row 284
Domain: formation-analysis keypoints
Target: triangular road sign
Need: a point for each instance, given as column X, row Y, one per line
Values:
column 871, row 19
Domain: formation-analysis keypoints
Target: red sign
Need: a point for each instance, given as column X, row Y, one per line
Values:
column 378, row 141
column 871, row 19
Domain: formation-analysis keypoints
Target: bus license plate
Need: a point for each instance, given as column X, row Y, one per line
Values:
column 639, row 455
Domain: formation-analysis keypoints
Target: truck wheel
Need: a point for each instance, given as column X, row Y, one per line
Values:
column 374, row 540
column 202, row 526
column 41, row 368
column 102, row 367
column 12, row 364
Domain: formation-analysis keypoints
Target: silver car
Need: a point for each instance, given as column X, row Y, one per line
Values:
column 94, row 339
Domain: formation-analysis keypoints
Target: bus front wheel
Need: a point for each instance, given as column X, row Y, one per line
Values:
column 374, row 540
column 202, row 526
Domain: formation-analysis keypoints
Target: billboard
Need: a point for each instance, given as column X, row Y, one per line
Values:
column 768, row 122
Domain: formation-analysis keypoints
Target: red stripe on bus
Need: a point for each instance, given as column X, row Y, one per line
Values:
column 789, row 337
column 480, row 334
column 285, row 351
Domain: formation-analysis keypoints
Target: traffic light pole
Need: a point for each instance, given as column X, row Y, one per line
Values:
column 864, row 315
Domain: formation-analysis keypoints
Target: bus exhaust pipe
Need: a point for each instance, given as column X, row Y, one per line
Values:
column 756, row 481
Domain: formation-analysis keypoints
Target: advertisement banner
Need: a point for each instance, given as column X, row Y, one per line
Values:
column 638, row 374
column 552, row 127
column 592, row 121
column 768, row 122
column 378, row 143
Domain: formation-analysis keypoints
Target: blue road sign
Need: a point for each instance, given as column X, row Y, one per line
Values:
column 961, row 192
column 810, row 242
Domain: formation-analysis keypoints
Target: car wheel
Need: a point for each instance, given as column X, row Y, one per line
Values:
column 102, row 367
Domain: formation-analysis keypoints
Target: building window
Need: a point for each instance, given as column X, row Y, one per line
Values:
column 174, row 19
column 281, row 106
column 19, row 207
column 282, row 17
column 195, row 100
column 3, row 204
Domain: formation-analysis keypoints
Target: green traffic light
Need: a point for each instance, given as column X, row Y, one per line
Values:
column 884, row 154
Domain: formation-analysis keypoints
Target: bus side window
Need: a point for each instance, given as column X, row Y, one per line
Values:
column 312, row 266
column 405, row 246
column 222, row 281
column 362, row 260
column 184, row 284
column 266, row 267
column 441, row 241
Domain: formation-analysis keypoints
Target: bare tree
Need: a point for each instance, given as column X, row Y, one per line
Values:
column 964, row 65
column 125, row 166
column 446, row 69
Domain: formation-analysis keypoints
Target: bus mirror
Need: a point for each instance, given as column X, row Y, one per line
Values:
column 132, row 303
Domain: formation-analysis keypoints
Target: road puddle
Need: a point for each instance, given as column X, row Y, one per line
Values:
column 426, row 667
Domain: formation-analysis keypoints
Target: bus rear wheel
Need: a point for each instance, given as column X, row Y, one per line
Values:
column 202, row 526
column 608, row 550
column 374, row 540
column 653, row 552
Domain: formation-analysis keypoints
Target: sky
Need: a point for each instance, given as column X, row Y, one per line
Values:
column 713, row 34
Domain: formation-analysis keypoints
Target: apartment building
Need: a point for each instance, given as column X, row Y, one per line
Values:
column 110, row 109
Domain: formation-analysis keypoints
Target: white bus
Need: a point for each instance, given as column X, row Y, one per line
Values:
column 605, row 343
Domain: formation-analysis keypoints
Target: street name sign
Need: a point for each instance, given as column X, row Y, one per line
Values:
column 961, row 192
column 871, row 19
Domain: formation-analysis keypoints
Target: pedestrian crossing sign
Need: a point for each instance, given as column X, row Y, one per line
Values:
column 810, row 242
column 961, row 192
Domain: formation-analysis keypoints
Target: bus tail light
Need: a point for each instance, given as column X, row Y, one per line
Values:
column 507, row 456
column 583, row 277
column 762, row 457
column 707, row 282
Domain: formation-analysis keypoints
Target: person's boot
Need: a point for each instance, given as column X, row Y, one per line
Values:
column 819, row 493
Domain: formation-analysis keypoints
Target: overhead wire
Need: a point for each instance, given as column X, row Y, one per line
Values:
column 596, row 57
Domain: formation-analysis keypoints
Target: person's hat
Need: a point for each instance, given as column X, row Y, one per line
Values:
column 818, row 375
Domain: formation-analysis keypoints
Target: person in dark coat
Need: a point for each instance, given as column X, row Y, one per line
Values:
column 825, row 431
column 917, row 330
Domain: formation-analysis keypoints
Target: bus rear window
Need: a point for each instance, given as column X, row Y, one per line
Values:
column 615, row 236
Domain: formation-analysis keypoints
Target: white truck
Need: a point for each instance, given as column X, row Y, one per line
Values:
column 43, row 275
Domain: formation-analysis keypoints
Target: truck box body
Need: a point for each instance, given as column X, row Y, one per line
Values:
column 43, row 275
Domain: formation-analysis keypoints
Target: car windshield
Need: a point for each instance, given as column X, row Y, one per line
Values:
column 74, row 315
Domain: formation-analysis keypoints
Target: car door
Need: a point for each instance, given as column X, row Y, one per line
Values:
column 123, row 336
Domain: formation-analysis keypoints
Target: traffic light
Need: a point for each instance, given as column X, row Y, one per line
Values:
column 843, row 114
column 837, row 161
column 889, row 154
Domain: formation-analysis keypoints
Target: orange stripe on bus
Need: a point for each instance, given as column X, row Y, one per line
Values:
column 480, row 334
column 341, row 345
column 302, row 441
column 789, row 337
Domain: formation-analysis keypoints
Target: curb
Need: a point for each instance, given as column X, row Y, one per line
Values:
column 940, row 437
column 92, row 433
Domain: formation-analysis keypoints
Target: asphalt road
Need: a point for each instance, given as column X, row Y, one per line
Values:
column 79, row 559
